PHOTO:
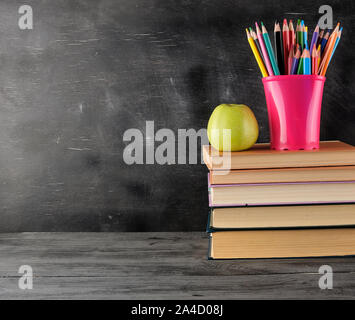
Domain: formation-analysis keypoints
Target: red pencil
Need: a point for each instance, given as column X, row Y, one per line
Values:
column 286, row 43
column 292, row 34
column 314, row 60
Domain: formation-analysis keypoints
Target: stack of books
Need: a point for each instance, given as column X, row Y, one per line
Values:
column 277, row 204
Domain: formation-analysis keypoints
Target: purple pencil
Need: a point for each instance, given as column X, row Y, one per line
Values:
column 315, row 37
column 295, row 60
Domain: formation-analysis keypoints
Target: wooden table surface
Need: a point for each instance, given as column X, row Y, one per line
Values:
column 156, row 266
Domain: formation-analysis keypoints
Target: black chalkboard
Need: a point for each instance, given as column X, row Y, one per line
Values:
column 90, row 70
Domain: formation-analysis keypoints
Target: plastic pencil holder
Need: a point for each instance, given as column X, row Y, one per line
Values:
column 294, row 105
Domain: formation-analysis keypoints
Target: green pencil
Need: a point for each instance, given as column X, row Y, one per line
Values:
column 298, row 31
column 302, row 31
column 300, row 66
column 270, row 51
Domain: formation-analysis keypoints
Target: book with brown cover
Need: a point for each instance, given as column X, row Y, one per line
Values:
column 281, row 193
column 273, row 217
column 315, row 174
column 330, row 153
column 282, row 243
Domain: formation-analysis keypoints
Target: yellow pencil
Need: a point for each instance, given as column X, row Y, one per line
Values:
column 319, row 56
column 257, row 55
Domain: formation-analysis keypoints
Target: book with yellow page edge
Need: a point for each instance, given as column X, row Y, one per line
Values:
column 281, row 217
column 297, row 243
column 279, row 175
column 290, row 193
column 330, row 153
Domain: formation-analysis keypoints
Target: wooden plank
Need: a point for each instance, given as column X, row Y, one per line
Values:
column 156, row 266
column 286, row 286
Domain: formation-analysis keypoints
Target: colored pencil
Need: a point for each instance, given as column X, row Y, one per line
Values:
column 314, row 38
column 298, row 33
column 314, row 61
column 286, row 42
column 291, row 53
column 320, row 38
column 328, row 54
column 292, row 34
column 306, row 62
column 300, row 65
column 332, row 49
column 256, row 41
column 336, row 43
column 319, row 57
column 324, row 42
column 264, row 50
column 290, row 59
column 301, row 36
column 296, row 60
column 270, row 50
column 333, row 34
column 279, row 48
column 256, row 54
column 331, row 41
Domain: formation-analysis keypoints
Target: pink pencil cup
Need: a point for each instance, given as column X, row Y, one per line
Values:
column 294, row 105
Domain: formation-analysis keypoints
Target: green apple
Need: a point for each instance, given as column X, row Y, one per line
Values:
column 239, row 118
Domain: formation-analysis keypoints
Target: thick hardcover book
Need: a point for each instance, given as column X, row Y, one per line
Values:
column 315, row 174
column 282, row 243
column 273, row 217
column 281, row 193
column 331, row 153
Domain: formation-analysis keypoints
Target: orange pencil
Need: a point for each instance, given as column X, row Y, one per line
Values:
column 334, row 34
column 336, row 43
column 329, row 42
column 328, row 53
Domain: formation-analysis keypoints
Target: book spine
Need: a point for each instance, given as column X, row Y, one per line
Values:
column 208, row 228
column 209, row 255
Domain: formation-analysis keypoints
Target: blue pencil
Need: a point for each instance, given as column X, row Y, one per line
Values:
column 324, row 41
column 306, row 61
column 270, row 50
